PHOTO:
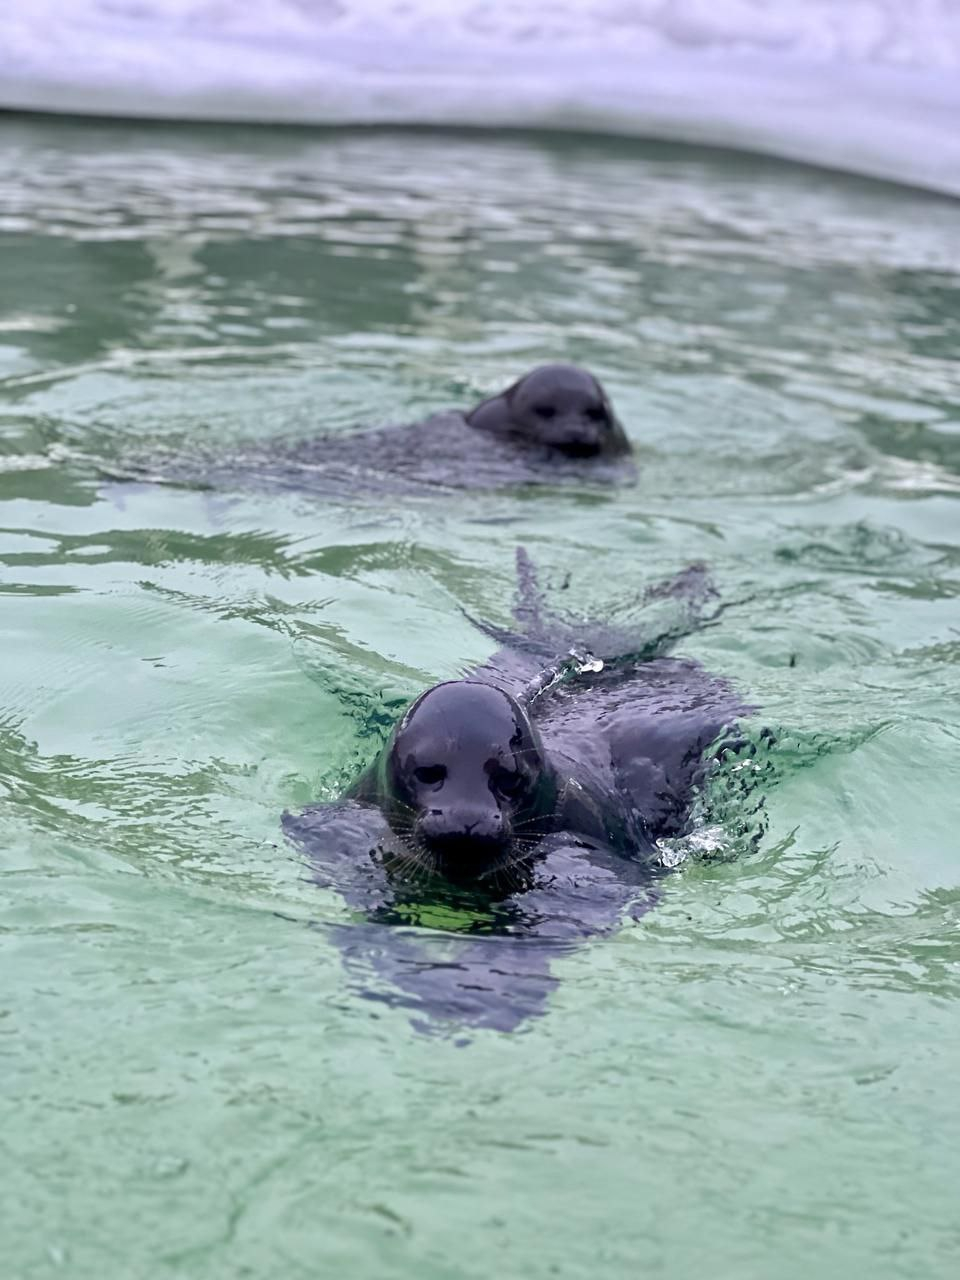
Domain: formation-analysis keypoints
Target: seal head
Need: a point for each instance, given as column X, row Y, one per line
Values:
column 558, row 406
column 464, row 781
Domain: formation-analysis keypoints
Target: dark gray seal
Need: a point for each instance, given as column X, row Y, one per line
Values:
column 554, row 426
column 473, row 785
column 523, row 807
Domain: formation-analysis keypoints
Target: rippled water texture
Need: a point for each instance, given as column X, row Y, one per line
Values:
column 755, row 1079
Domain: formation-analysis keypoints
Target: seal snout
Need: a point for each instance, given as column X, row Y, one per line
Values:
column 464, row 837
column 578, row 439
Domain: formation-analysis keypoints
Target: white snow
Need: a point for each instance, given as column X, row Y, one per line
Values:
column 869, row 86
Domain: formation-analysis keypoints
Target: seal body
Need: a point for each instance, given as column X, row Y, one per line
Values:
column 468, row 786
column 553, row 426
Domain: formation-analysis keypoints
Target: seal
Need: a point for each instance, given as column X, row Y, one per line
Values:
column 557, row 407
column 553, row 426
column 522, row 805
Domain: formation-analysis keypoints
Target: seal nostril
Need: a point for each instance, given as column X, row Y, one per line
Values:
column 430, row 775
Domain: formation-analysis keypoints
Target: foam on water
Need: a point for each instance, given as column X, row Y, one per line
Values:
column 869, row 86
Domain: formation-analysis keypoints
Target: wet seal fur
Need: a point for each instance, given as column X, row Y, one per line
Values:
column 523, row 803
column 553, row 426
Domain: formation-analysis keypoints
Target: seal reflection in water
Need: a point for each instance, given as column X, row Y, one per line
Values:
column 523, row 804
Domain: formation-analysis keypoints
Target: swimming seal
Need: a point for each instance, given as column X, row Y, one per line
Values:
column 558, row 407
column 553, row 426
column 521, row 806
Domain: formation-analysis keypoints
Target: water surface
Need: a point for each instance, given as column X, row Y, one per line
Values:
column 754, row 1079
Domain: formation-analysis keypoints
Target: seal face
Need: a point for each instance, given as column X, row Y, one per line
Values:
column 463, row 781
column 559, row 406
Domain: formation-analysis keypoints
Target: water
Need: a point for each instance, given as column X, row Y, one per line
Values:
column 754, row 1079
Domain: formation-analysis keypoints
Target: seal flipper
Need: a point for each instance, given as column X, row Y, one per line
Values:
column 692, row 584
column 491, row 415
column 547, row 647
column 528, row 604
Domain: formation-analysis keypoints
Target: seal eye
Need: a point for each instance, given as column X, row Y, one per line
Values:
column 545, row 410
column 430, row 774
column 596, row 413
column 507, row 782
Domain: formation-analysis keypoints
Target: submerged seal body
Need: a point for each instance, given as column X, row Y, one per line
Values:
column 555, row 425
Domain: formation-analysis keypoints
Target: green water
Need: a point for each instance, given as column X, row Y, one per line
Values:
column 757, row 1079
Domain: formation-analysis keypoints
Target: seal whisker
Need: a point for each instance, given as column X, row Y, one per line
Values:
column 411, row 865
column 521, row 824
column 394, row 803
